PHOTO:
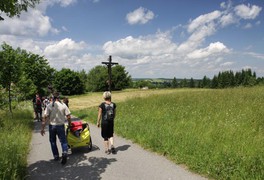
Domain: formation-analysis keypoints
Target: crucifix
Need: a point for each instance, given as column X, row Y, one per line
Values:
column 109, row 64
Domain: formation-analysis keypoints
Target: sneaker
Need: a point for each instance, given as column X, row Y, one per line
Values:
column 113, row 150
column 64, row 159
column 107, row 151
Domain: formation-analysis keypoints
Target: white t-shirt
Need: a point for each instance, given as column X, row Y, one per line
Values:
column 57, row 114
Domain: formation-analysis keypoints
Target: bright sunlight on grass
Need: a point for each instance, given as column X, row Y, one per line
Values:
column 217, row 133
column 15, row 135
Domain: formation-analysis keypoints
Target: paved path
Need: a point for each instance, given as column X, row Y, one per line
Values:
column 130, row 163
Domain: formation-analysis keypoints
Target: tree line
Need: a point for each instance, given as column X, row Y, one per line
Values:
column 23, row 74
column 225, row 79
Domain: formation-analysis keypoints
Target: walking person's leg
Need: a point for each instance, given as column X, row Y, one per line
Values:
column 63, row 141
column 106, row 145
column 52, row 138
column 105, row 137
column 111, row 137
column 40, row 115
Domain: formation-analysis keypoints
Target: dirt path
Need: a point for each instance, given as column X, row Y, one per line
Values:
column 131, row 161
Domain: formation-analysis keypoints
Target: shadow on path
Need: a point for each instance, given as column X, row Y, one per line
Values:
column 122, row 148
column 77, row 167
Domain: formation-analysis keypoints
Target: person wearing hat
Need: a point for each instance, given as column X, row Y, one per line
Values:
column 56, row 112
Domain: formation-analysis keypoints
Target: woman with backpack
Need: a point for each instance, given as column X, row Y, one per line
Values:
column 106, row 116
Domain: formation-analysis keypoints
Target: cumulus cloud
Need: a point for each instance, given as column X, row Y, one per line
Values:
column 68, row 53
column 34, row 22
column 157, row 54
column 212, row 50
column 131, row 48
column 155, row 51
column 31, row 23
column 247, row 11
column 140, row 16
column 64, row 47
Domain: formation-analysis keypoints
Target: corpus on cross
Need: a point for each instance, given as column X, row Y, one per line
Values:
column 109, row 65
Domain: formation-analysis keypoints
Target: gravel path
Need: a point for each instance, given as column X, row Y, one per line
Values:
column 130, row 163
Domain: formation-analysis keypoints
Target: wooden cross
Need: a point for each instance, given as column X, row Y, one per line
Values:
column 109, row 65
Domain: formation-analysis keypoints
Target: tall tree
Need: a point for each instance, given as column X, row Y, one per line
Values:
column 68, row 82
column 183, row 83
column 14, row 7
column 121, row 79
column 206, row 82
column 83, row 76
column 174, row 83
column 37, row 69
column 214, row 83
column 97, row 79
column 10, row 69
column 192, row 83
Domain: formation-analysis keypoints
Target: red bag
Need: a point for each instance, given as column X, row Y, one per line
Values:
column 76, row 125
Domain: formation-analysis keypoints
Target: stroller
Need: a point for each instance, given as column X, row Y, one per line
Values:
column 78, row 135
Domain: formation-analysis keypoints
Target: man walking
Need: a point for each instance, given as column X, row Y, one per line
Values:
column 56, row 112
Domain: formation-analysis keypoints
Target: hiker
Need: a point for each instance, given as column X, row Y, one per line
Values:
column 37, row 105
column 45, row 102
column 66, row 101
column 34, row 107
column 106, row 116
column 56, row 113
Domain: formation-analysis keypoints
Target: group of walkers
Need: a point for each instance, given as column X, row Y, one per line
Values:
column 57, row 112
column 40, row 104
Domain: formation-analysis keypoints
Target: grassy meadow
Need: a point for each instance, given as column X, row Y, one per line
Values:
column 216, row 133
column 15, row 135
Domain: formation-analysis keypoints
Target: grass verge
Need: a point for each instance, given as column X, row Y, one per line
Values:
column 15, row 135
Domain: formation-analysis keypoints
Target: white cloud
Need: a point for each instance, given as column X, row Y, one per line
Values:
column 203, row 20
column 64, row 29
column 248, row 26
column 34, row 22
column 256, row 55
column 247, row 11
column 132, row 48
column 140, row 16
column 197, row 38
column 65, row 47
column 227, row 64
column 227, row 19
column 212, row 50
column 65, row 3
column 155, row 55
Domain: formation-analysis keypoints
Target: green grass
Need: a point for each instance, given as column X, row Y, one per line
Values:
column 15, row 135
column 217, row 133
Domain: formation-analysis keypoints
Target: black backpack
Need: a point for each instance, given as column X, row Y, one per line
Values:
column 109, row 114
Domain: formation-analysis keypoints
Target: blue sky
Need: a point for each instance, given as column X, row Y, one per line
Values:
column 152, row 39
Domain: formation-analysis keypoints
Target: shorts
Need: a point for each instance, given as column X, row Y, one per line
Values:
column 107, row 130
